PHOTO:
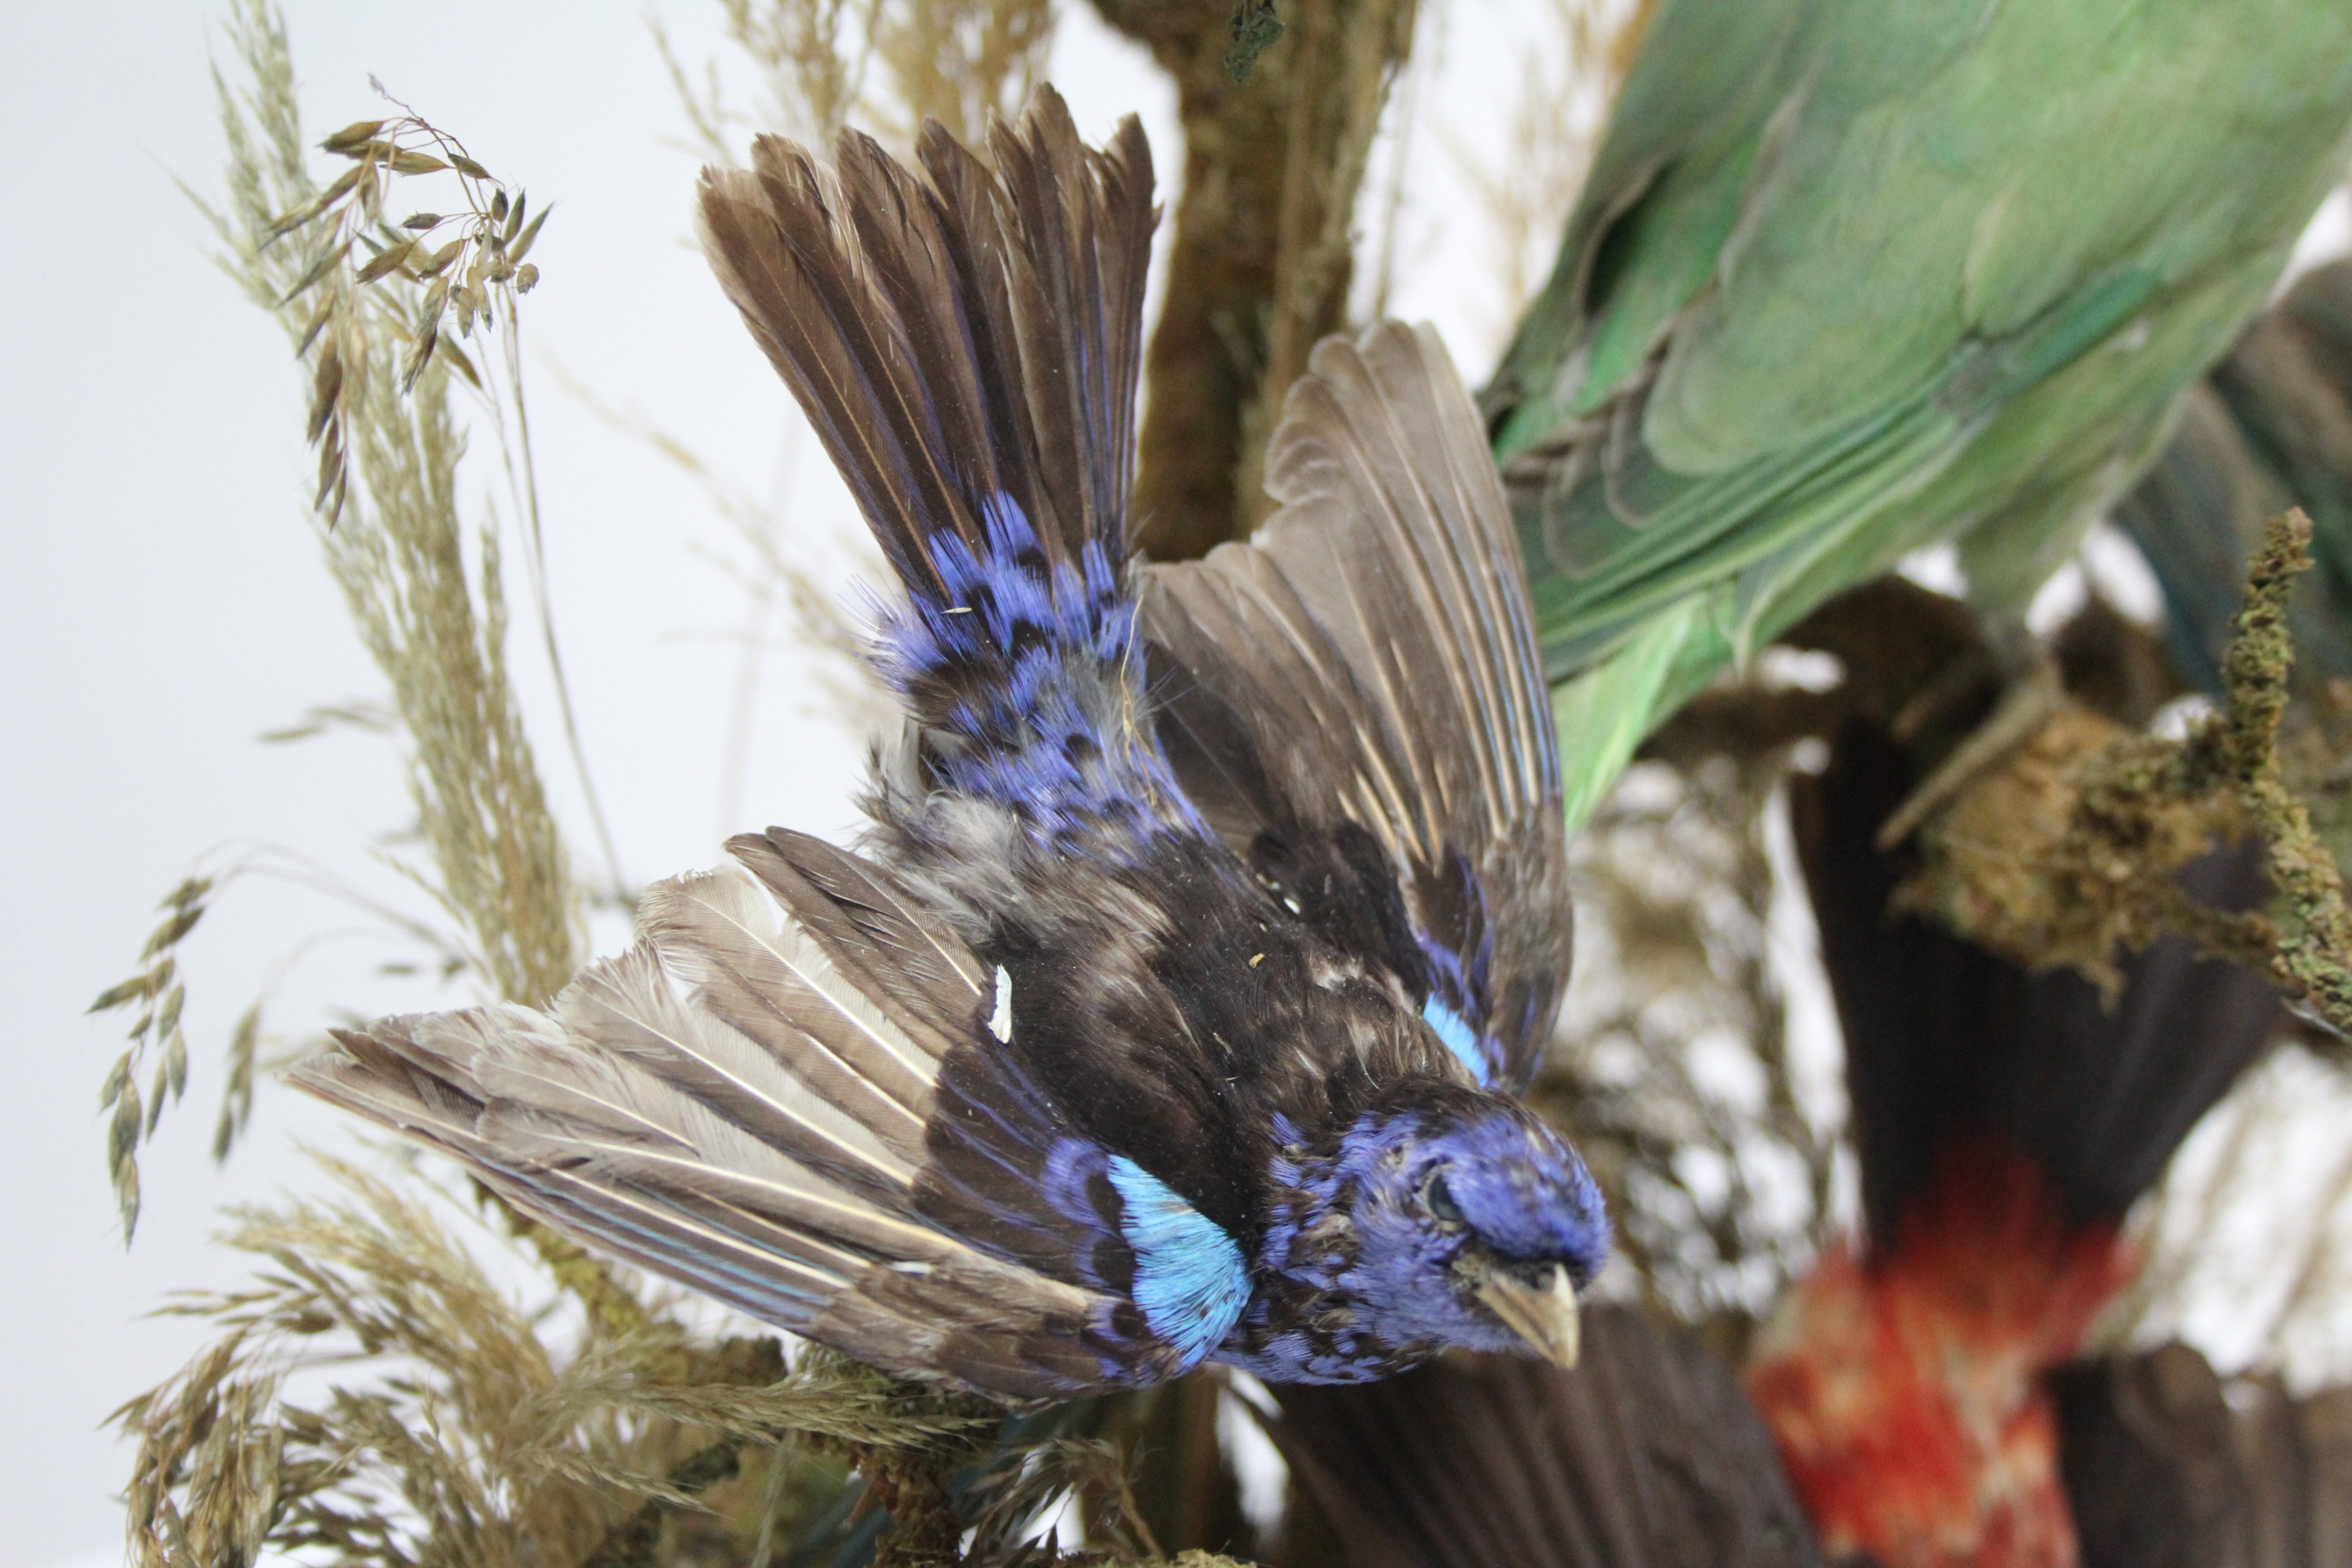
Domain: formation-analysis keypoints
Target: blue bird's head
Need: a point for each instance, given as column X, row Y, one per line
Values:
column 1475, row 1226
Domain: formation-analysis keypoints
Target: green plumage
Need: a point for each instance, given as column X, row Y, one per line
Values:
column 1850, row 278
column 2270, row 428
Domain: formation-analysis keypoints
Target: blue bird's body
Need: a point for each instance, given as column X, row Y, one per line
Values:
column 1211, row 914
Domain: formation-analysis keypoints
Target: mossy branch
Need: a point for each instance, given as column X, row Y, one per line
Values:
column 2312, row 958
column 2124, row 813
column 2231, row 763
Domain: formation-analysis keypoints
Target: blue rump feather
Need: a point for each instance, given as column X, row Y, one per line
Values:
column 1040, row 656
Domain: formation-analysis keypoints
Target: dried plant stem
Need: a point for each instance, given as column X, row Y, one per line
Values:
column 371, row 329
column 956, row 61
column 472, row 1439
column 630, row 1544
column 523, row 474
column 959, row 61
column 375, row 312
column 1187, row 1496
column 812, row 56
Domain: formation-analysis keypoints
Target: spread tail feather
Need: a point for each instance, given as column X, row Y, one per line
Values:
column 1946, row 1043
column 957, row 337
column 967, row 343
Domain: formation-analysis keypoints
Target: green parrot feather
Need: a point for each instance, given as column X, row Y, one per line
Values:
column 1850, row 278
column 2270, row 428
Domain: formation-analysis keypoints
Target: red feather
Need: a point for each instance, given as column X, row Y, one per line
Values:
column 1904, row 1390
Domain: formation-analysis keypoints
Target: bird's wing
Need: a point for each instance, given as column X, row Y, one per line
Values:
column 1666, row 187
column 1353, row 698
column 1801, row 215
column 1849, row 280
column 2271, row 427
column 1648, row 1453
column 786, row 1096
column 2166, row 1463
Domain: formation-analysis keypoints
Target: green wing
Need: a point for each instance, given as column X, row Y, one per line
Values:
column 2270, row 428
column 1853, row 278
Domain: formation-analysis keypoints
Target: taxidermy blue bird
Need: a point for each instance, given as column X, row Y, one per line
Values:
column 1211, row 914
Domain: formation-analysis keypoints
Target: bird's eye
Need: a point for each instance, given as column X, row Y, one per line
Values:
column 1439, row 1201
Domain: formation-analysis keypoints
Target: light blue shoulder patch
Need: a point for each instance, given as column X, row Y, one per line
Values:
column 1460, row 1038
column 1189, row 1278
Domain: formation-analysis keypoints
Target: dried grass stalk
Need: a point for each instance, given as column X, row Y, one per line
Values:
column 960, row 61
column 957, row 61
column 376, row 310
column 809, row 56
column 453, row 1432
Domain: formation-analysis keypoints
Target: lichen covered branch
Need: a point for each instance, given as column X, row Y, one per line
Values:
column 2069, row 850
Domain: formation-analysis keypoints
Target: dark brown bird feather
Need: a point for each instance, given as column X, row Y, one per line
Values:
column 2168, row 1465
column 1366, row 657
column 1647, row 1455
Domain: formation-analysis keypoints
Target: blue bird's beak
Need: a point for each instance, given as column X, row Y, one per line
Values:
column 1542, row 1313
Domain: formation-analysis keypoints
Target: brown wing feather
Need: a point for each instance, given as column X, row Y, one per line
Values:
column 1369, row 657
column 2168, row 1467
column 1647, row 1455
column 739, row 1102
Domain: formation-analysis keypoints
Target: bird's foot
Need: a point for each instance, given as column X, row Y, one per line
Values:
column 2024, row 707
